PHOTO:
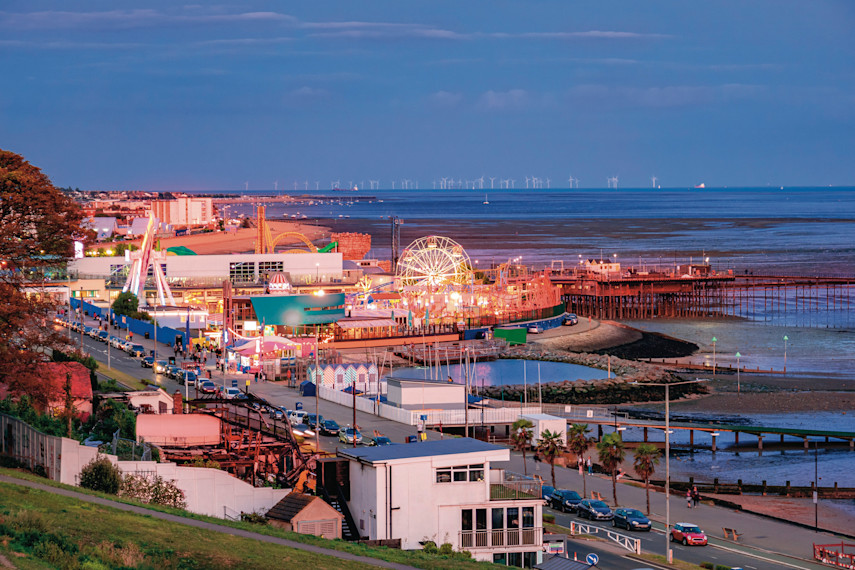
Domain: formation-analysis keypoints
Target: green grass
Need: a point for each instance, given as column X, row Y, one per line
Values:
column 416, row 558
column 121, row 377
column 659, row 559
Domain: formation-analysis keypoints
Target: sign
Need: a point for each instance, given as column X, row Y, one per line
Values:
column 592, row 559
column 234, row 382
column 299, row 405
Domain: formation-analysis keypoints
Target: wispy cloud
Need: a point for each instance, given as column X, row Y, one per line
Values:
column 503, row 100
column 445, row 99
column 663, row 97
column 305, row 95
column 124, row 19
column 587, row 34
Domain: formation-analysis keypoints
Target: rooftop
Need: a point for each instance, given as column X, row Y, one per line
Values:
column 424, row 449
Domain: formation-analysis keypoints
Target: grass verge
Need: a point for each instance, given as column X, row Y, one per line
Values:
column 659, row 559
column 120, row 377
column 415, row 558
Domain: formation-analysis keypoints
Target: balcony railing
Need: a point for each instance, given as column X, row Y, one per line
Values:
column 531, row 536
column 507, row 486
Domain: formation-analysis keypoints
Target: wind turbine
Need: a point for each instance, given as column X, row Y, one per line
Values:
column 492, row 178
column 275, row 185
column 547, row 183
column 246, row 185
column 653, row 179
column 513, row 180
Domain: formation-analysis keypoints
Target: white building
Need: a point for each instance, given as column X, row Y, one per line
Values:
column 184, row 211
column 447, row 491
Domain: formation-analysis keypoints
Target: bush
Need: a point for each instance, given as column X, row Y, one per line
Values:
column 446, row 549
column 101, row 475
column 152, row 490
column 430, row 547
column 548, row 518
column 253, row 518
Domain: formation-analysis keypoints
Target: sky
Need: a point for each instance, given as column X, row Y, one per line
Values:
column 116, row 95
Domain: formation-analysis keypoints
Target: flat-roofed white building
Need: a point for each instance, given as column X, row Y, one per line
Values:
column 184, row 211
column 447, row 491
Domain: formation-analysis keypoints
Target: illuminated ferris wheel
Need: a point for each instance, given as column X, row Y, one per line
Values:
column 433, row 262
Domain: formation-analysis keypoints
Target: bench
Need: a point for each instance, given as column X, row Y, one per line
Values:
column 732, row 533
column 596, row 495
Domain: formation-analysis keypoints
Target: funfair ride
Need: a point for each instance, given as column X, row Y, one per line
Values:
column 144, row 257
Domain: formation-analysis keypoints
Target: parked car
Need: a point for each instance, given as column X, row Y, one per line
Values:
column 147, row 362
column 330, row 427
column 173, row 371
column 630, row 519
column 378, row 440
column 276, row 414
column 311, row 420
column 535, row 329
column 564, row 500
column 160, row 366
column 208, row 387
column 688, row 533
column 103, row 336
column 92, row 332
column 231, row 393
column 349, row 434
column 189, row 377
column 545, row 492
column 136, row 350
column 594, row 510
column 570, row 320
column 297, row 417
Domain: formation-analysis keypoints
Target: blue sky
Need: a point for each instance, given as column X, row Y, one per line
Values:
column 158, row 95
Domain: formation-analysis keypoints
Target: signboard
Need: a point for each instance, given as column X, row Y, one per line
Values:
column 592, row 559
column 234, row 382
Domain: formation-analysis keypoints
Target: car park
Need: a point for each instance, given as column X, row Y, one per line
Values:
column 349, row 435
column 378, row 441
column 688, row 534
column 630, row 519
column 330, row 427
column 564, row 500
column 594, row 510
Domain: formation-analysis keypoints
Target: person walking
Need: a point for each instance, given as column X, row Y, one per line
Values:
column 696, row 496
column 689, row 498
column 590, row 466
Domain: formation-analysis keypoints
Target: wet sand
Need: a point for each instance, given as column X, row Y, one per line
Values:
column 243, row 239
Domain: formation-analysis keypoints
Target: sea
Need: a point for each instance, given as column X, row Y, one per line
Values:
column 807, row 231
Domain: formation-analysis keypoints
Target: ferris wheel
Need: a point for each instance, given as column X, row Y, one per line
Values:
column 433, row 261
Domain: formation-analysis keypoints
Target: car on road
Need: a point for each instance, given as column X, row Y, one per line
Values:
column 564, row 500
column 188, row 377
column 349, row 435
column 630, row 519
column 570, row 320
column 535, row 329
column 688, row 534
column 147, row 362
column 160, row 366
column 276, row 414
column 208, row 387
column 297, row 417
column 378, row 440
column 136, row 350
column 594, row 510
column 173, row 371
column 231, row 393
column 330, row 427
column 311, row 420
column 545, row 491
column 103, row 336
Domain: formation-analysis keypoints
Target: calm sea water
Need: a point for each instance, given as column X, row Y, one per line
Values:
column 507, row 372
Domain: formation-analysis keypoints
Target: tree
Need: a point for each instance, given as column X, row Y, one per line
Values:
column 521, row 434
column 646, row 460
column 101, row 475
column 578, row 443
column 612, row 453
column 38, row 227
column 126, row 303
column 550, row 446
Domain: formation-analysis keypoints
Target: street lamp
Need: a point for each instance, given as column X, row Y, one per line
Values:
column 668, row 553
column 317, row 272
column 738, row 356
column 786, row 338
column 714, row 339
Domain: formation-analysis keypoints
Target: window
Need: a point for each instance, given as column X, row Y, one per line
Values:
column 498, row 519
column 242, row 272
column 460, row 473
column 500, row 558
column 513, row 517
column 481, row 519
column 268, row 267
column 466, row 519
column 528, row 517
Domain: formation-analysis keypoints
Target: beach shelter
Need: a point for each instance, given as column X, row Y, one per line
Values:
column 307, row 388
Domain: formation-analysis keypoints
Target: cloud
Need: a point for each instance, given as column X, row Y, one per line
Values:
column 661, row 97
column 378, row 30
column 124, row 19
column 503, row 100
column 305, row 95
column 446, row 99
column 589, row 34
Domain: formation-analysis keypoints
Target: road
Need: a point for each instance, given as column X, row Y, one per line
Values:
column 764, row 543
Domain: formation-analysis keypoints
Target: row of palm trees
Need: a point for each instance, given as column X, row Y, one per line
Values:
column 610, row 451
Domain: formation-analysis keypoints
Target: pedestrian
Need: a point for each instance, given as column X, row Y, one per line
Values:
column 696, row 496
column 689, row 498
column 256, row 376
column 590, row 466
column 581, row 464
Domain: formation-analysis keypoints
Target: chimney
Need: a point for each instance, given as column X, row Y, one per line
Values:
column 177, row 403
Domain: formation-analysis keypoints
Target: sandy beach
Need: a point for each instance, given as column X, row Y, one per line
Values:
column 243, row 239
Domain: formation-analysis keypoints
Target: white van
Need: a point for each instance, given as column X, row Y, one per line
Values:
column 231, row 393
column 297, row 416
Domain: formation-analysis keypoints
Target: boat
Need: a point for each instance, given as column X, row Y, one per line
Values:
column 701, row 185
column 486, row 201
column 354, row 189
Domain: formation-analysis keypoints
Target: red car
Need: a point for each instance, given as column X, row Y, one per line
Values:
column 688, row 534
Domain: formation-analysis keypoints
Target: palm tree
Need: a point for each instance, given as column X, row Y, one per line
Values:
column 646, row 460
column 578, row 443
column 612, row 453
column 521, row 434
column 550, row 446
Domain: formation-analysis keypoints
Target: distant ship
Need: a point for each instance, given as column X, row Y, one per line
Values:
column 354, row 189
column 701, row 185
column 485, row 200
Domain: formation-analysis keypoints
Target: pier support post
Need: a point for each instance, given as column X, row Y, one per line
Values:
column 600, row 432
column 806, row 444
column 714, row 437
column 852, row 445
column 692, row 440
column 645, row 437
column 760, row 442
column 736, row 438
column 782, row 438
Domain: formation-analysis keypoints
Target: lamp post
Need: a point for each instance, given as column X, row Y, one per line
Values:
column 738, row 356
column 786, row 338
column 317, row 272
column 668, row 553
column 714, row 339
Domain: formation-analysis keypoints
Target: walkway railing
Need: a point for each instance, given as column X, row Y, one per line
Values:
column 531, row 536
column 629, row 543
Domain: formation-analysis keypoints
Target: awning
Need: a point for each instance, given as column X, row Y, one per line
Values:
column 366, row 323
column 386, row 296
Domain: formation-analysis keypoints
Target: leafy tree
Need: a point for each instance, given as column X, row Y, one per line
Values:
column 550, row 446
column 126, row 303
column 521, row 434
column 578, row 443
column 611, row 451
column 38, row 225
column 108, row 417
column 101, row 475
column 646, row 460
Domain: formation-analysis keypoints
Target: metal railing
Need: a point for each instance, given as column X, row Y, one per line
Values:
column 509, row 486
column 531, row 536
column 629, row 543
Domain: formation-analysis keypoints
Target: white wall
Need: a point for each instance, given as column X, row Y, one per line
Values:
column 211, row 491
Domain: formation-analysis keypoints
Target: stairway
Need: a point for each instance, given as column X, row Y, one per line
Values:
column 348, row 525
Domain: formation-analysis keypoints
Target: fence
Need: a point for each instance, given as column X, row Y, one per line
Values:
column 631, row 544
column 140, row 328
column 531, row 536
